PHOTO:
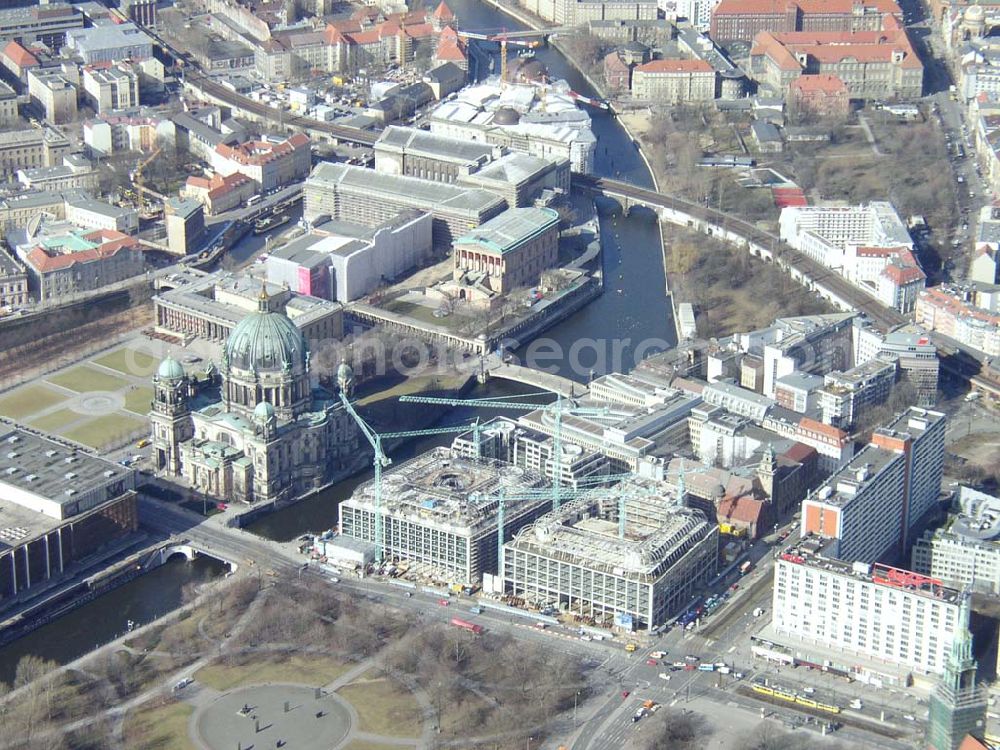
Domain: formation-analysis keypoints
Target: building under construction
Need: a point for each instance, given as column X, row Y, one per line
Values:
column 440, row 513
column 632, row 556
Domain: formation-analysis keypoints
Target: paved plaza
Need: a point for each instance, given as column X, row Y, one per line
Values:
column 255, row 717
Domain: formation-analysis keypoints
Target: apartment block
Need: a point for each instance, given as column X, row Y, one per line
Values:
column 869, row 621
column 871, row 506
column 270, row 164
column 952, row 313
column 845, row 395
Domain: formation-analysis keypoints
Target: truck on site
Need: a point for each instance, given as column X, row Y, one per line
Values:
column 466, row 625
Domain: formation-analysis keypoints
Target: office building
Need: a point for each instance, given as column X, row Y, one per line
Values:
column 912, row 349
column 185, row 220
column 957, row 708
column 47, row 23
column 508, row 252
column 341, row 261
column 108, row 89
column 819, row 95
column 363, row 196
column 673, row 81
column 272, row 437
column 879, row 64
column 966, row 551
column 141, row 12
column 845, row 395
column 443, row 513
column 141, row 131
column 871, row 622
column 631, row 556
column 94, row 214
column 31, row 148
column 576, row 12
column 53, row 94
column 744, row 19
column 110, row 43
column 210, row 306
column 62, row 509
column 872, row 506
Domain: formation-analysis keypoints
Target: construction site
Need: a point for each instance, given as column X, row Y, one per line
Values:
column 629, row 557
column 442, row 514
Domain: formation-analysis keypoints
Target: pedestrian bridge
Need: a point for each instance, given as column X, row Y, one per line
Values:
column 543, row 380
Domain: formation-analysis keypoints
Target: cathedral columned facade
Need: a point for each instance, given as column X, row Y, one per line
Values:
column 270, row 435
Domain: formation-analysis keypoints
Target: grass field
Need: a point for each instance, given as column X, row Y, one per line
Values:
column 424, row 314
column 129, row 362
column 101, row 431
column 162, row 728
column 137, row 401
column 384, row 707
column 362, row 745
column 54, row 421
column 294, row 669
column 29, row 400
column 84, row 378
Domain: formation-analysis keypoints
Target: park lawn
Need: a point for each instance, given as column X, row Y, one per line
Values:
column 138, row 399
column 85, row 378
column 384, row 707
column 112, row 428
column 161, row 727
column 129, row 362
column 54, row 421
column 296, row 669
column 29, row 400
column 363, row 745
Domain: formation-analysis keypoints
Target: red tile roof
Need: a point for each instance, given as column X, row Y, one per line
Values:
column 19, row 55
column 261, row 152
column 675, row 66
column 449, row 48
column 807, row 7
column 748, row 510
column 443, row 12
column 799, row 453
column 827, row 84
column 111, row 242
column 834, row 46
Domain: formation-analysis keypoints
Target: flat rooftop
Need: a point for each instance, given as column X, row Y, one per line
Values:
column 810, row 552
column 659, row 531
column 31, row 465
column 853, row 478
column 409, row 191
column 439, row 489
column 199, row 296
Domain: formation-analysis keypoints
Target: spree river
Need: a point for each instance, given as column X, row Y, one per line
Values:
column 634, row 307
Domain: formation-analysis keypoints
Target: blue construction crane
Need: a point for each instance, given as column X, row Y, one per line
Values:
column 381, row 460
